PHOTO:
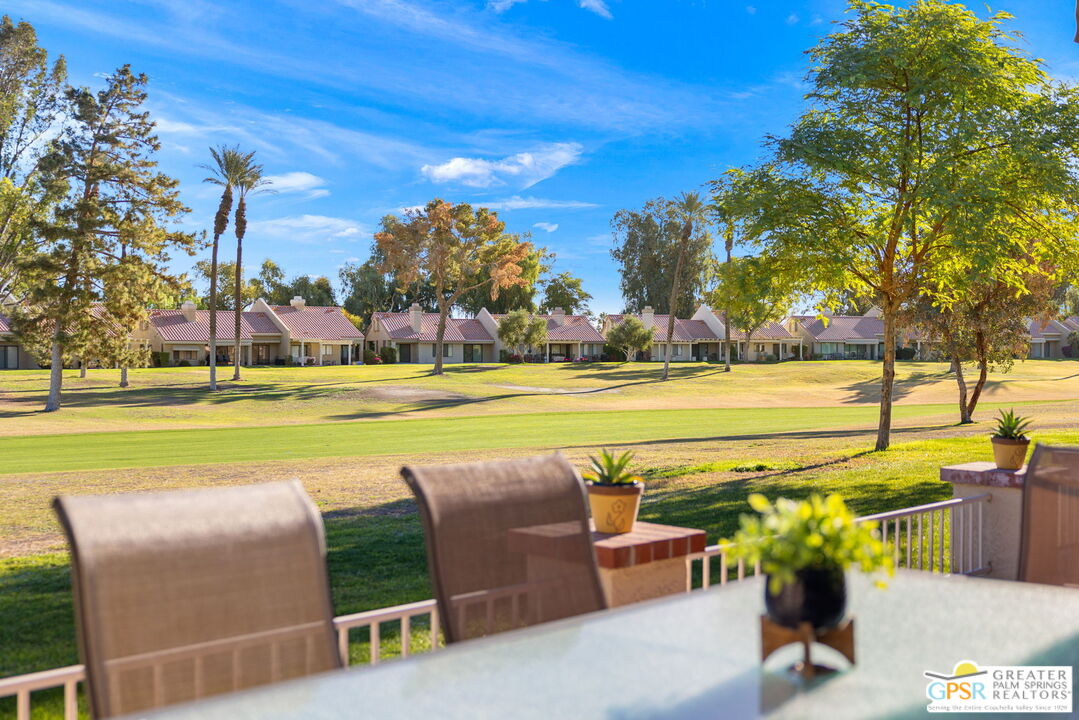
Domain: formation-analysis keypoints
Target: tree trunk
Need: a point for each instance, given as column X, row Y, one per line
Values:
column 670, row 311
column 213, row 315
column 239, row 305
column 123, row 377
column 56, row 376
column 887, row 380
column 727, row 314
column 749, row 339
column 82, row 368
column 443, row 311
column 957, row 367
column 983, row 374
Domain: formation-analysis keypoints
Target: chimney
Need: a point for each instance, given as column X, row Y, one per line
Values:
column 188, row 309
column 298, row 302
column 648, row 316
column 558, row 315
column 415, row 317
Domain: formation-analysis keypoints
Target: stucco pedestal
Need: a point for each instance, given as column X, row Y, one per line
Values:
column 1002, row 517
column 648, row 563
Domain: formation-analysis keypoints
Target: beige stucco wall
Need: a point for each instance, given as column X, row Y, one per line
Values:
column 1002, row 520
column 632, row 584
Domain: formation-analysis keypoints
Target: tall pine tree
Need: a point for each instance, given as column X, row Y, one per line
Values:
column 105, row 248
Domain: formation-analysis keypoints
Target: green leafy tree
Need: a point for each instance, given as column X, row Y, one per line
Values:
column 729, row 211
column 646, row 248
column 226, row 283
column 367, row 289
column 520, row 329
column 271, row 283
column 689, row 209
column 315, row 290
column 987, row 326
column 251, row 181
column 227, row 172
column 565, row 291
column 32, row 103
column 630, row 336
column 534, row 265
column 1069, row 304
column 456, row 250
column 754, row 294
column 925, row 125
column 106, row 247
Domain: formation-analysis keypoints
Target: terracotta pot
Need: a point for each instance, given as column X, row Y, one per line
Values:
column 615, row 507
column 817, row 596
column 1010, row 454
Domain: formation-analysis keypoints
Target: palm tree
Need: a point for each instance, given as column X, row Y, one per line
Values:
column 727, row 229
column 227, row 170
column 690, row 210
column 251, row 182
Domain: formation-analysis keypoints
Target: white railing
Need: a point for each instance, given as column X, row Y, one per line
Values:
column 942, row 537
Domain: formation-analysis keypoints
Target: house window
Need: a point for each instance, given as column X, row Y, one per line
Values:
column 189, row 355
column 9, row 357
column 829, row 348
column 447, row 350
column 761, row 349
column 676, row 351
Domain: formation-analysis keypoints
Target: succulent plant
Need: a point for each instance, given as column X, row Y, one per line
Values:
column 610, row 470
column 1011, row 426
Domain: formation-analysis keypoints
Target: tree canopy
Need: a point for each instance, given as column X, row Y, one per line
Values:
column 520, row 329
column 455, row 249
column 565, row 291
column 105, row 248
column 931, row 148
column 754, row 295
column 630, row 336
column 646, row 250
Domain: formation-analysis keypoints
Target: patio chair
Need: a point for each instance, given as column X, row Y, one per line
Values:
column 1049, row 544
column 508, row 543
column 185, row 594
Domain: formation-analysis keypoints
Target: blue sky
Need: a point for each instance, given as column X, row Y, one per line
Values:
column 555, row 112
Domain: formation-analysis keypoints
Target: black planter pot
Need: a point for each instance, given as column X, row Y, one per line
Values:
column 817, row 596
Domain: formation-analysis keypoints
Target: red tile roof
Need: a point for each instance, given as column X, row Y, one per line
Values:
column 575, row 328
column 842, row 327
column 317, row 323
column 399, row 327
column 174, row 326
column 685, row 331
column 1072, row 323
column 1042, row 328
column 769, row 331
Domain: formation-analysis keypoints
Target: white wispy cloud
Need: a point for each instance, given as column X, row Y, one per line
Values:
column 523, row 169
column 599, row 7
column 549, row 227
column 308, row 184
column 517, row 202
column 309, row 228
column 792, row 19
column 502, row 5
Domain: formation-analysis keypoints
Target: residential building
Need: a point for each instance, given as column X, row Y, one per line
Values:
column 269, row 335
column 1048, row 338
column 569, row 337
column 12, row 354
column 701, row 338
column 414, row 334
column 840, row 337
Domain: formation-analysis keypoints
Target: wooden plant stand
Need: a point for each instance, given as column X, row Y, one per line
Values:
column 839, row 638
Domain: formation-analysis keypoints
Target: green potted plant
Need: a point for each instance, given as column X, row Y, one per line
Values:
column 1010, row 441
column 614, row 492
column 805, row 548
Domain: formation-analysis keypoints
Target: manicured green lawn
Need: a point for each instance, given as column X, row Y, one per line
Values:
column 173, row 398
column 90, row 451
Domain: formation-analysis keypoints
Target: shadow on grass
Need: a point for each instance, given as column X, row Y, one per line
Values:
column 868, row 391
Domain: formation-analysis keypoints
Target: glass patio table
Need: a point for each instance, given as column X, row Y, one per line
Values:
column 694, row 656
